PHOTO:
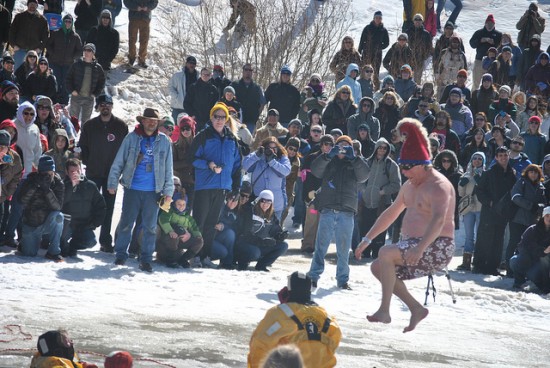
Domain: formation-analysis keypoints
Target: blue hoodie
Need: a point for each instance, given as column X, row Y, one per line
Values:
column 352, row 83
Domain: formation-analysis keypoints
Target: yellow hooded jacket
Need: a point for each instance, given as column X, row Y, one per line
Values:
column 280, row 327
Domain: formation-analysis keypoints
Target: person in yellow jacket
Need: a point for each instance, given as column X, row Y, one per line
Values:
column 410, row 8
column 300, row 321
column 56, row 350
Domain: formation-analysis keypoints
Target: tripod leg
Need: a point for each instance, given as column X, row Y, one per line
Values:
column 453, row 297
column 428, row 289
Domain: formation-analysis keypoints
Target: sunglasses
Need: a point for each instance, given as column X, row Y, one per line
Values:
column 534, row 122
column 243, row 195
column 345, row 92
column 43, row 63
column 315, row 81
column 186, row 129
column 317, row 131
column 292, row 149
column 31, row 57
column 405, row 167
column 219, row 117
column 265, row 201
column 170, row 129
column 28, row 113
column 480, row 119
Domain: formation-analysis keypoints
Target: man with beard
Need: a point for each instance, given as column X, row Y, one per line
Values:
column 102, row 136
column 10, row 100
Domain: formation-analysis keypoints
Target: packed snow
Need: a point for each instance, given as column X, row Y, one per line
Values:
column 204, row 318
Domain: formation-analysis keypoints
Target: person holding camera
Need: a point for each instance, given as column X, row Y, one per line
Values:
column 261, row 238
column 341, row 172
column 529, row 24
column 179, row 238
column 269, row 166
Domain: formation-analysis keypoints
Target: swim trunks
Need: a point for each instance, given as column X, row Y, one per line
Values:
column 435, row 258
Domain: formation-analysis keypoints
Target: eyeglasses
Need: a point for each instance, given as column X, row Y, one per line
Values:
column 345, row 92
column 219, row 117
column 206, row 74
column 520, row 143
column 405, row 167
column 292, row 149
column 28, row 113
column 265, row 201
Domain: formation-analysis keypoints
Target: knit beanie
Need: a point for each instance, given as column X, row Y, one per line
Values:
column 415, row 149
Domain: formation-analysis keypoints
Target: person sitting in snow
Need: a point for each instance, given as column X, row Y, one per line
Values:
column 179, row 238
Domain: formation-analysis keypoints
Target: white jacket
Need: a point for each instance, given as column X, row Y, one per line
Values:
column 177, row 89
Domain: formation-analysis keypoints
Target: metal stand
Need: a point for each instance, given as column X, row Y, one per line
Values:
column 431, row 282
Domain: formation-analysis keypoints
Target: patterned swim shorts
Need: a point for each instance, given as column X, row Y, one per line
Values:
column 436, row 257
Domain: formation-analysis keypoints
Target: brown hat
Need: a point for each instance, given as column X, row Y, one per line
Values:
column 344, row 138
column 149, row 113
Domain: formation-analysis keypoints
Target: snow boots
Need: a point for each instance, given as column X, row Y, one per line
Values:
column 466, row 262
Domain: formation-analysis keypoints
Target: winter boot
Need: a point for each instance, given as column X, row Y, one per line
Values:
column 466, row 262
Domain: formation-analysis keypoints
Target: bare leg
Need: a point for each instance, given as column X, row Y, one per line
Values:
column 381, row 271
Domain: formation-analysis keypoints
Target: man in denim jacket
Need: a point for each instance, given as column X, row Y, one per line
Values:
column 144, row 166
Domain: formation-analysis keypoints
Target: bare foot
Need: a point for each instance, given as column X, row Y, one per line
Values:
column 417, row 315
column 379, row 316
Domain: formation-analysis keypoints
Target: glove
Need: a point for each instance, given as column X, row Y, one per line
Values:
column 268, row 242
column 350, row 154
column 542, row 86
column 463, row 181
column 281, row 236
column 269, row 155
column 164, row 204
column 333, row 152
column 260, row 151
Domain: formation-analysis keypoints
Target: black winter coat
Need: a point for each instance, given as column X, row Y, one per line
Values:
column 40, row 84
column 76, row 75
column 336, row 115
column 107, row 42
column 388, row 117
column 482, row 99
column 250, row 96
column 64, row 48
column 374, row 39
column 340, row 182
column 492, row 186
column 285, row 98
column 87, row 15
column 84, row 204
column 483, row 47
column 199, row 99
column 38, row 202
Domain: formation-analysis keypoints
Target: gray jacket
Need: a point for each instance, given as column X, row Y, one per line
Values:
column 357, row 119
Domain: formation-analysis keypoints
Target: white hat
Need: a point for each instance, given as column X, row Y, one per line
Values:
column 268, row 194
column 546, row 211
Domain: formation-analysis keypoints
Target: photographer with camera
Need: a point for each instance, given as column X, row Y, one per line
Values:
column 341, row 173
column 261, row 238
column 529, row 24
column 269, row 166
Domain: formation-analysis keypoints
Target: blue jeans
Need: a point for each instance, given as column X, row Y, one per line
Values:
column 525, row 267
column 134, row 203
column 340, row 224
column 471, row 222
column 247, row 252
column 222, row 247
column 32, row 236
column 79, row 239
column 60, row 72
column 454, row 14
column 16, row 212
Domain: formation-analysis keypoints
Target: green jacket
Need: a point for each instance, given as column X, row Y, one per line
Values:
column 167, row 219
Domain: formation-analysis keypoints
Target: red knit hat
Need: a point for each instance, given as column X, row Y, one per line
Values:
column 490, row 18
column 119, row 359
column 188, row 121
column 415, row 149
column 535, row 119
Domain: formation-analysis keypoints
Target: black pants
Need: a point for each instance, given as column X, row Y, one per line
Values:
column 105, row 237
column 207, row 206
column 367, row 218
column 489, row 242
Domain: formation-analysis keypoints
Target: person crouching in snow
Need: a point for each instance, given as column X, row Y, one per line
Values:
column 56, row 349
column 178, row 232
column 300, row 321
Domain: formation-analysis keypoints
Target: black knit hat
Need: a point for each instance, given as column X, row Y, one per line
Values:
column 299, row 287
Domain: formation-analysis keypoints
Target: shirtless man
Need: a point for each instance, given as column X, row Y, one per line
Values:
column 427, row 243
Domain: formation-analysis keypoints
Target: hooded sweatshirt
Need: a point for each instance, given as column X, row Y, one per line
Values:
column 383, row 175
column 60, row 157
column 28, row 138
column 467, row 183
column 356, row 93
column 359, row 118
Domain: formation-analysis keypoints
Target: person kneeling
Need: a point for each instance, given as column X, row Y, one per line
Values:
column 42, row 198
column 178, row 231
column 262, row 238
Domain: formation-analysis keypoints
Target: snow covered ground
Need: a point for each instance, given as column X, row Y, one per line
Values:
column 204, row 318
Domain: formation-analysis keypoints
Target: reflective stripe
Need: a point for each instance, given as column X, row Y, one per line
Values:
column 274, row 328
column 286, row 309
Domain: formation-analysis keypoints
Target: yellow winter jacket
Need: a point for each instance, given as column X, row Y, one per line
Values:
column 39, row 361
column 278, row 328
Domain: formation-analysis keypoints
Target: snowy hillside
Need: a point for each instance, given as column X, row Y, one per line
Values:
column 204, row 318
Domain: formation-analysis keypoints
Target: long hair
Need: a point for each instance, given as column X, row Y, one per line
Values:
column 281, row 151
column 391, row 94
column 338, row 94
column 535, row 168
column 267, row 215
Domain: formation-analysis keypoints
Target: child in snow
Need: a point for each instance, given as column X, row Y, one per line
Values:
column 60, row 151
